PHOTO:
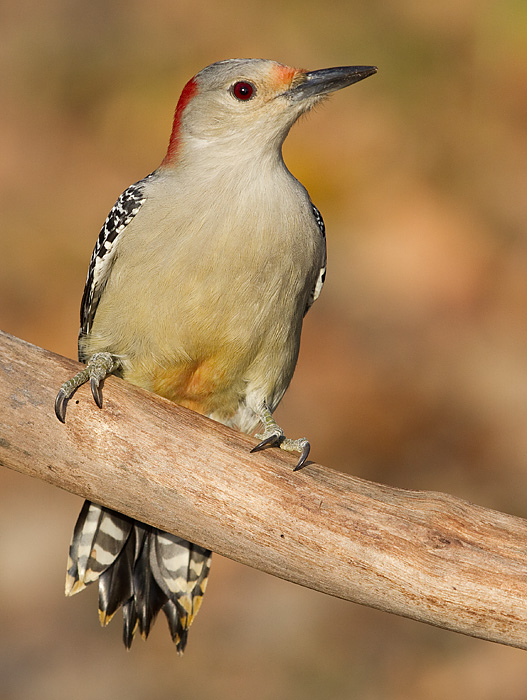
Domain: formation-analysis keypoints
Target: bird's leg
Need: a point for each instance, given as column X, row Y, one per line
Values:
column 273, row 436
column 99, row 366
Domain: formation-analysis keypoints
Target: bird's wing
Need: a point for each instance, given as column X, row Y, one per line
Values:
column 103, row 256
column 315, row 292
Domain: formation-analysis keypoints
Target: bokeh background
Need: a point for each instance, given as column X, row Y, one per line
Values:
column 413, row 367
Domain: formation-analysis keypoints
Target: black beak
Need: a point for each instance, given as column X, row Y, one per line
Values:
column 322, row 82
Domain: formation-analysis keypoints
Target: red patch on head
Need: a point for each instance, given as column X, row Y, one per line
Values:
column 187, row 94
column 285, row 75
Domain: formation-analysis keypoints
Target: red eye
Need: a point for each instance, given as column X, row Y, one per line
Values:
column 243, row 90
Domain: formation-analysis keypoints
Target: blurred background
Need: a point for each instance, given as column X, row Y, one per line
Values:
column 413, row 366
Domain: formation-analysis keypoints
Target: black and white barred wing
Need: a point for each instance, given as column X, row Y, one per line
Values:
column 322, row 273
column 103, row 254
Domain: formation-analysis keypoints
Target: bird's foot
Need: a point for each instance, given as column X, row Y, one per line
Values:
column 273, row 436
column 99, row 366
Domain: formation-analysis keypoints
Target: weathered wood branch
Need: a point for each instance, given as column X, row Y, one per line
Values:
column 428, row 556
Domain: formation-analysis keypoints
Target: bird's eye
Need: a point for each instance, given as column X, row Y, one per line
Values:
column 243, row 90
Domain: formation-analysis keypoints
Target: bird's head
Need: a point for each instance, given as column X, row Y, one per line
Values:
column 244, row 104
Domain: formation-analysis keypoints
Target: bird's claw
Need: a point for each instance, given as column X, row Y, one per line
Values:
column 60, row 405
column 303, row 455
column 269, row 440
column 99, row 366
column 273, row 436
column 96, row 390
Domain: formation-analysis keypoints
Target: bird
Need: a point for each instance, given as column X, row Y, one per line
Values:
column 196, row 290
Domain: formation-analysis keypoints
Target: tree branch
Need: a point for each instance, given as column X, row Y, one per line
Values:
column 424, row 555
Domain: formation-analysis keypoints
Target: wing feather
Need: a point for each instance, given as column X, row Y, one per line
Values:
column 103, row 256
column 315, row 293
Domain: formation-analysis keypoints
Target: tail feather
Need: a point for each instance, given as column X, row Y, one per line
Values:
column 97, row 541
column 177, row 631
column 181, row 569
column 148, row 596
column 115, row 584
column 130, row 622
column 141, row 569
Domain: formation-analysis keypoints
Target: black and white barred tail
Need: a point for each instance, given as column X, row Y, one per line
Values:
column 139, row 568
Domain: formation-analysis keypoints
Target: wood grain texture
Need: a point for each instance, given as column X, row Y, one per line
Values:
column 424, row 555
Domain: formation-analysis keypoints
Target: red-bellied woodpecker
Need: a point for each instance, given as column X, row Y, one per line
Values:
column 196, row 290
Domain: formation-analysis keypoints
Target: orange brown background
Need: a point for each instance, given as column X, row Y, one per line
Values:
column 413, row 366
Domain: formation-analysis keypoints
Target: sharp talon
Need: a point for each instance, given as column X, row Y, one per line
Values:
column 60, row 405
column 271, row 440
column 303, row 457
column 96, row 391
column 99, row 366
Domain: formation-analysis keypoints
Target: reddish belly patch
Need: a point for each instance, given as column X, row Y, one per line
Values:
column 194, row 386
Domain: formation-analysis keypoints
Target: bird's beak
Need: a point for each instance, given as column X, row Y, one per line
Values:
column 321, row 82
